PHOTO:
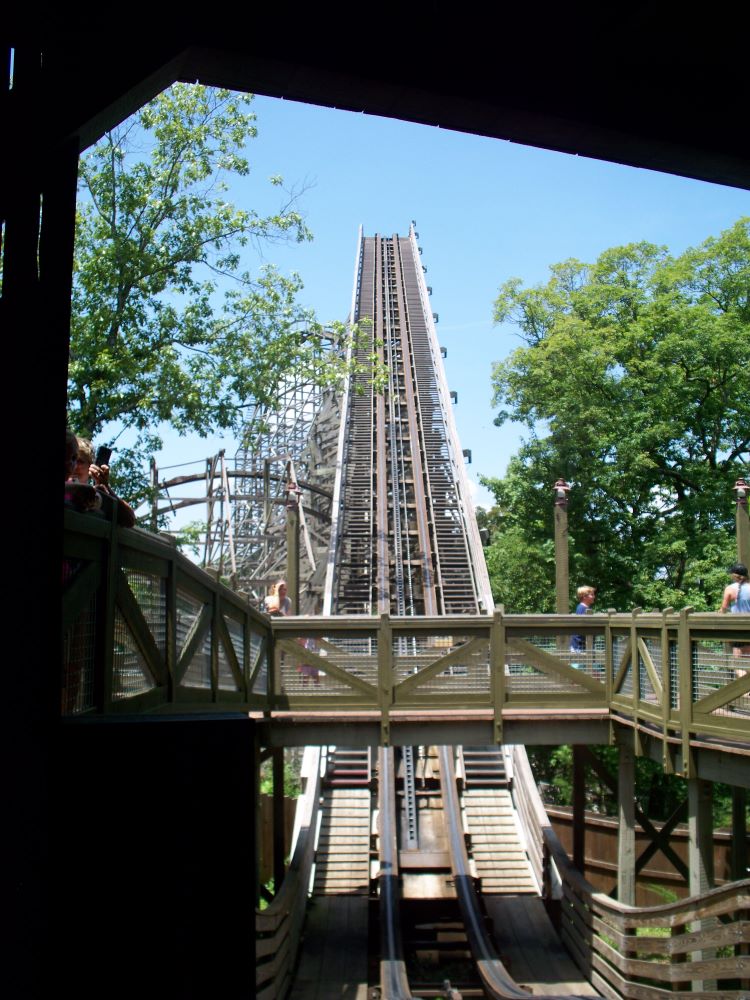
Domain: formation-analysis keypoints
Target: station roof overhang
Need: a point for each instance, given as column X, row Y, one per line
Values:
column 631, row 86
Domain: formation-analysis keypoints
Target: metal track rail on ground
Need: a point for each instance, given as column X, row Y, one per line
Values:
column 496, row 980
column 394, row 984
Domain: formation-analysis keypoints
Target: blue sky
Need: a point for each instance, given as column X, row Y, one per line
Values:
column 486, row 211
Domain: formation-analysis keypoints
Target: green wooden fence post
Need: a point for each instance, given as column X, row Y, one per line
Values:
column 497, row 672
column 112, row 568
column 666, row 692
column 685, row 664
column 635, row 670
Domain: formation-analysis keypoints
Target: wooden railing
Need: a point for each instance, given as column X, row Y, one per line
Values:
column 674, row 673
column 279, row 926
column 144, row 628
column 700, row 944
column 694, row 947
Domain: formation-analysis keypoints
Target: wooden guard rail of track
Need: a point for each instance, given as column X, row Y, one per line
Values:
column 279, row 926
column 696, row 947
column 145, row 630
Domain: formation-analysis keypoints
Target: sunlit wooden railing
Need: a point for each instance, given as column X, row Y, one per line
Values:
column 693, row 947
column 700, row 944
column 279, row 926
column 673, row 673
column 144, row 628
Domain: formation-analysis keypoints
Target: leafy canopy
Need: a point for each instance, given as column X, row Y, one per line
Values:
column 634, row 383
column 168, row 323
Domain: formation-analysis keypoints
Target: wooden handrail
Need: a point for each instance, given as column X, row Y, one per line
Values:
column 147, row 630
column 279, row 926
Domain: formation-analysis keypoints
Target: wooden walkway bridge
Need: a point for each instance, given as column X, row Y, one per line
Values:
column 411, row 653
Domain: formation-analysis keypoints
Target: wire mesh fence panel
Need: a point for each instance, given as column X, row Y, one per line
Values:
column 130, row 672
column 226, row 679
column 467, row 671
column 716, row 664
column 620, row 646
column 302, row 673
column 198, row 673
column 674, row 676
column 187, row 610
column 237, row 639
column 647, row 690
column 357, row 656
column 258, row 652
column 79, row 649
column 150, row 592
column 524, row 675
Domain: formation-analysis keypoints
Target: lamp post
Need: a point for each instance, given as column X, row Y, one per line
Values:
column 738, row 855
column 562, row 584
column 293, row 493
column 742, row 521
column 562, row 607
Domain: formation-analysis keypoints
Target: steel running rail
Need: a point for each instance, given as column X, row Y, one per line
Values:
column 496, row 980
column 394, row 983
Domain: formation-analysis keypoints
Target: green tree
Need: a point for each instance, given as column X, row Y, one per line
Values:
column 168, row 323
column 658, row 794
column 634, row 382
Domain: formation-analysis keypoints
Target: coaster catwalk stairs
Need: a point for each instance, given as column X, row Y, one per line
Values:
column 496, row 845
column 342, row 865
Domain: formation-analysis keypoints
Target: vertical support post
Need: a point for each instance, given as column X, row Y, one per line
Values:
column 700, row 827
column 738, row 856
column 33, row 311
column 635, row 673
column 579, row 809
column 266, row 506
column 274, row 662
column 209, row 510
column 56, row 238
column 497, row 672
column 562, row 575
column 171, row 646
column 385, row 676
column 742, row 521
column 685, row 666
column 626, row 817
column 278, row 818
column 666, row 691
column 609, row 678
column 701, row 858
column 215, row 612
column 154, row 497
column 258, row 845
column 104, row 681
column 292, row 549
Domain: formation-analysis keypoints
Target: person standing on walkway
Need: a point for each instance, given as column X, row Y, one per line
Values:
column 736, row 601
column 277, row 602
column 586, row 597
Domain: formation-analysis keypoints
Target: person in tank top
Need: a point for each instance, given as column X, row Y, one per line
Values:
column 736, row 601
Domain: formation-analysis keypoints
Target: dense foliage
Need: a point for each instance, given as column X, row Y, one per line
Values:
column 168, row 322
column 634, row 383
column 658, row 794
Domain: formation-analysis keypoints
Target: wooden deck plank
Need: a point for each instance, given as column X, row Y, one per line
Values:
column 527, row 942
column 333, row 962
